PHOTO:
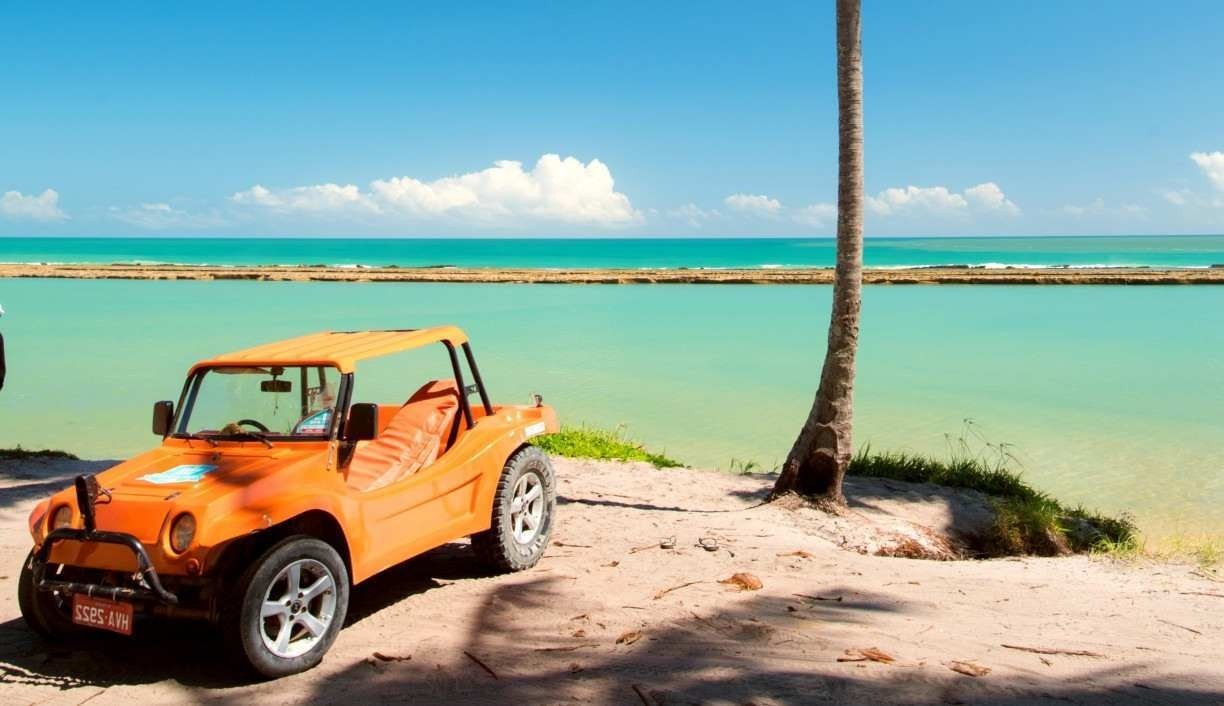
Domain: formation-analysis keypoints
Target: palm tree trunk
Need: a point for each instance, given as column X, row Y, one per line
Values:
column 817, row 462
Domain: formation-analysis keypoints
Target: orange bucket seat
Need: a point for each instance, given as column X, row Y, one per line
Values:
column 414, row 438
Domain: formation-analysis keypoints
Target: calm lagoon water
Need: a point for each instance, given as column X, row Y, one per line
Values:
column 1124, row 251
column 1114, row 396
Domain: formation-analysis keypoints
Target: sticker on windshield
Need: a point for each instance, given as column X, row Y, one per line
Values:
column 186, row 473
column 317, row 423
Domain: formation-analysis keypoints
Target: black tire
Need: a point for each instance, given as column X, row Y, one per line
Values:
column 243, row 627
column 46, row 613
column 499, row 547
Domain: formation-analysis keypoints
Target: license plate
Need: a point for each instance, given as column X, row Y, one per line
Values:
column 102, row 614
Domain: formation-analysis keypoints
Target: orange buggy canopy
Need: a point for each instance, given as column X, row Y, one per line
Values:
column 341, row 349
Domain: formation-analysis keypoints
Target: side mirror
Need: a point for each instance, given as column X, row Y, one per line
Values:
column 163, row 417
column 362, row 422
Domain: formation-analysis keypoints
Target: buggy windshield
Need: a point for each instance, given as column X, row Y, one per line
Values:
column 265, row 402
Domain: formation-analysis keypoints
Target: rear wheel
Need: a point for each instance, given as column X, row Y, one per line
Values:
column 288, row 607
column 523, row 509
column 47, row 613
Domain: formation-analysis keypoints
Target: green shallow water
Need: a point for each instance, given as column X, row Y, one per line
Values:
column 1114, row 396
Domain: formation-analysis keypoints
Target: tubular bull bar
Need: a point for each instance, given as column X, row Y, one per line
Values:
column 87, row 492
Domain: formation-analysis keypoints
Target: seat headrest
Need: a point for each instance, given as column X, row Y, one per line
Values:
column 435, row 389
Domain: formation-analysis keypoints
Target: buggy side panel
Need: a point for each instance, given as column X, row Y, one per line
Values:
column 448, row 500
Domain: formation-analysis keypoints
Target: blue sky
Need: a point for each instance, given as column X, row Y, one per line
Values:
column 615, row 118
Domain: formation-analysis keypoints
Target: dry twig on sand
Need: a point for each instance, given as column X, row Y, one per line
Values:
column 568, row 648
column 805, row 596
column 666, row 591
column 1183, row 627
column 483, row 666
column 1053, row 651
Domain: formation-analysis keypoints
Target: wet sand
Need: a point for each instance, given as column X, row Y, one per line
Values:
column 930, row 275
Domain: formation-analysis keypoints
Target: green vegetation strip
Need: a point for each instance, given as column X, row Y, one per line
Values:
column 20, row 454
column 1027, row 521
column 601, row 444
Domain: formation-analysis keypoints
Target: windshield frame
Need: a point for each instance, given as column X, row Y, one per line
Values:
column 191, row 388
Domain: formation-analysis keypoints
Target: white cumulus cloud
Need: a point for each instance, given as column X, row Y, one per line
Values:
column 555, row 189
column 43, row 207
column 1098, row 207
column 1177, row 197
column 989, row 197
column 319, row 198
column 1212, row 164
column 757, row 204
column 818, row 215
column 162, row 215
column 942, row 201
column 694, row 215
column 932, row 199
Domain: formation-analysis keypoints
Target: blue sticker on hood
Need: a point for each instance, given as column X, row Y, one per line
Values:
column 186, row 473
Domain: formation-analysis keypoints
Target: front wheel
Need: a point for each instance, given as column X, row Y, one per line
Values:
column 45, row 612
column 288, row 608
column 523, row 509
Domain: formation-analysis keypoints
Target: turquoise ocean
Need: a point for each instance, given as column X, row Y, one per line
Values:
column 1126, row 251
column 1112, row 396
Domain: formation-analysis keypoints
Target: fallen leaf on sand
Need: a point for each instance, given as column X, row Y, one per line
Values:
column 579, row 633
column 799, row 553
column 872, row 654
column 611, row 564
column 969, row 669
column 584, row 616
column 390, row 658
column 744, row 581
column 629, row 638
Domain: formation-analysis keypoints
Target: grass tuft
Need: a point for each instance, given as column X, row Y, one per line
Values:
column 601, row 444
column 19, row 454
column 1027, row 521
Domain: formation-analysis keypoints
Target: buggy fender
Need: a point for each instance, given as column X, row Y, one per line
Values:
column 527, row 423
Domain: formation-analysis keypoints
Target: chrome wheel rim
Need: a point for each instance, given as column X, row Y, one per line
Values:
column 298, row 608
column 527, row 508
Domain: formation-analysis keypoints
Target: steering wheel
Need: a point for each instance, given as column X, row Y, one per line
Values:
column 254, row 423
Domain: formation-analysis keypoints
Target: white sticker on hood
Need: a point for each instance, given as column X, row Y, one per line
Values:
column 534, row 430
column 186, row 473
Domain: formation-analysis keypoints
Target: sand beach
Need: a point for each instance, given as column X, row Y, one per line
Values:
column 626, row 608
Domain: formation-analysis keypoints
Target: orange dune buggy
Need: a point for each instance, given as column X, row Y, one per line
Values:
column 272, row 493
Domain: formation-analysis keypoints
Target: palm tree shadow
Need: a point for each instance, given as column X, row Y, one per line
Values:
column 743, row 653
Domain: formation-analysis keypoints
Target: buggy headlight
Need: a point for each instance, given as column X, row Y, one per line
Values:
column 182, row 531
column 62, row 517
